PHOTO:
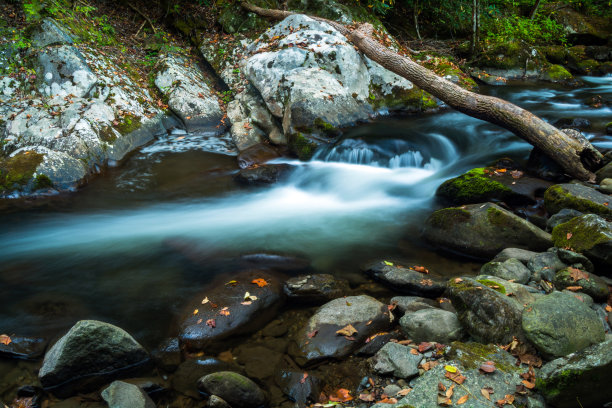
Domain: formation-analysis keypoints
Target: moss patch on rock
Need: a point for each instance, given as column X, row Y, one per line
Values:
column 446, row 218
column 581, row 233
column 577, row 197
column 128, row 124
column 557, row 73
column 17, row 171
column 475, row 186
column 496, row 286
column 302, row 146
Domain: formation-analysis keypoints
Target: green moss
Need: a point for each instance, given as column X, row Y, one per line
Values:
column 42, row 181
column 107, row 134
column 588, row 66
column 413, row 100
column 553, row 387
column 493, row 285
column 475, row 186
column 557, row 73
column 128, row 124
column 327, row 128
column 556, row 54
column 447, row 218
column 303, row 147
column 17, row 171
column 501, row 219
column 583, row 235
column 471, row 356
column 556, row 198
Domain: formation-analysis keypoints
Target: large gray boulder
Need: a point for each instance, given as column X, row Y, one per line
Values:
column 559, row 324
column 510, row 269
column 577, row 197
column 486, row 314
column 482, row 230
column 50, row 33
column 396, row 359
column 433, row 325
column 583, row 376
column 125, row 395
column 92, row 353
column 319, row 340
column 189, row 94
column 406, row 280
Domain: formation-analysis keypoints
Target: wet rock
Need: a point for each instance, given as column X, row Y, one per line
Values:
column 237, row 390
column 542, row 166
column 406, row 280
column 584, row 376
column 92, row 353
column 572, row 123
column 262, row 175
column 578, row 197
column 590, row 235
column 606, row 171
column 486, row 314
column 50, row 33
column 168, row 355
column 558, row 324
column 207, row 325
column 590, row 284
column 299, row 389
column 583, row 297
column 562, row 216
column 65, row 72
column 26, row 348
column 544, row 266
column 319, row 340
column 606, row 186
column 407, row 304
column 275, row 328
column 315, row 289
column 517, row 253
column 278, row 262
column 256, row 155
column 510, row 269
column 482, row 230
column 217, row 402
column 486, row 184
column 467, row 358
column 397, row 360
column 377, row 342
column 189, row 95
column 123, row 395
column 433, row 325
column 185, row 378
column 259, row 362
column 523, row 294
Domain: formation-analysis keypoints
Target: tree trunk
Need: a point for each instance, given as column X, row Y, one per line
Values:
column 475, row 25
column 534, row 10
column 573, row 153
column 415, row 14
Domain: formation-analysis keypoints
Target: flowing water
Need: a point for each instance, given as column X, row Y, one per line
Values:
column 136, row 243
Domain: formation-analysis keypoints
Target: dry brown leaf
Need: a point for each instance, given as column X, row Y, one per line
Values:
column 574, row 288
column 463, row 399
column 456, row 377
column 486, row 393
column 414, row 351
column 487, row 367
column 341, row 395
column 366, row 397
column 576, row 274
column 404, row 392
column 347, row 331
column 528, row 384
column 4, row 339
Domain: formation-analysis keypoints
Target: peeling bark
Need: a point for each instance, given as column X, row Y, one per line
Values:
column 574, row 153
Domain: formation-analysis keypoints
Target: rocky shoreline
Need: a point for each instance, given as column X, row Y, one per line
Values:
column 531, row 329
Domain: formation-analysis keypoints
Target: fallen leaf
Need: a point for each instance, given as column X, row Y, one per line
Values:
column 246, row 303
column 463, row 399
column 450, row 368
column 456, row 377
column 443, row 401
column 576, row 274
column 507, row 400
column 486, row 392
column 516, row 174
column 366, row 397
column 248, row 296
column 404, row 392
column 4, row 339
column 341, row 395
column 528, row 384
column 224, row 311
column 388, row 263
column 303, row 380
column 348, row 330
column 441, row 387
column 458, row 280
column 232, row 283
column 199, row 321
column 205, row 300
column 569, row 236
column 260, row 282
column 211, row 323
column 449, row 392
column 312, row 334
column 180, row 138
column 487, row 367
column 195, row 312
column 421, row 269
column 424, row 346
column 574, row 288
column 608, row 308
column 414, row 351
column 388, row 401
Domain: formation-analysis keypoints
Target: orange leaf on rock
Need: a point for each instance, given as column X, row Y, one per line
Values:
column 224, row 311
column 486, row 392
column 608, row 308
column 463, row 399
column 574, row 288
column 4, row 339
column 260, row 282
column 211, row 323
column 487, row 367
column 568, row 236
column 528, row 384
column 404, row 392
column 421, row 269
column 414, row 351
column 347, row 331
column 366, row 397
column 456, row 377
column 576, row 274
column 312, row 334
column 388, row 401
column 303, row 380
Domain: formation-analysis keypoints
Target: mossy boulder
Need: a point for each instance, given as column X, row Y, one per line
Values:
column 556, row 73
column 19, row 173
column 584, row 376
column 559, row 324
column 482, row 231
column 590, row 235
column 577, row 197
column 510, row 269
column 236, row 389
column 490, row 184
column 486, row 314
column 590, row 284
column 606, row 171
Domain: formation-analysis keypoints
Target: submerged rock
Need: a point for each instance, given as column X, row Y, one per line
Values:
column 299, row 389
column 318, row 288
column 263, row 174
column 26, row 348
column 92, row 353
column 482, row 230
column 577, row 197
column 406, row 280
column 510, row 269
column 237, row 390
column 124, row 395
column 220, row 313
column 584, row 376
column 486, row 314
column 185, row 378
column 559, row 324
column 319, row 340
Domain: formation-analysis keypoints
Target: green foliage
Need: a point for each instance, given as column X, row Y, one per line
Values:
column 542, row 29
column 381, row 7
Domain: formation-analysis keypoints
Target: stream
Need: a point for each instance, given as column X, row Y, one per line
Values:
column 134, row 245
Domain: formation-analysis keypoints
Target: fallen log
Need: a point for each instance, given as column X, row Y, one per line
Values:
column 572, row 151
